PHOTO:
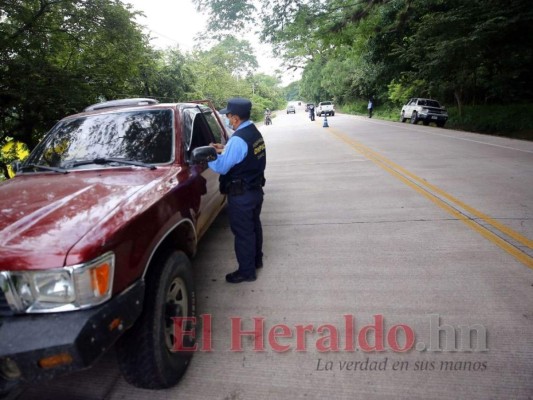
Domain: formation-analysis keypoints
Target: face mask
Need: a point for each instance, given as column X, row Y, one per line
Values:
column 226, row 122
column 231, row 125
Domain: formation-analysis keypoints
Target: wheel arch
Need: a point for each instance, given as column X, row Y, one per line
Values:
column 181, row 237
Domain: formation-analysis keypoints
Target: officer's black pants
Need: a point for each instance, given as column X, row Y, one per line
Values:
column 244, row 217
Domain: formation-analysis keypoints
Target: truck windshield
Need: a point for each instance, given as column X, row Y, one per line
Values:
column 432, row 103
column 143, row 135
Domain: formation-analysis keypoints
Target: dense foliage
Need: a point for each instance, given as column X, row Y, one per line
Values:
column 57, row 57
column 462, row 52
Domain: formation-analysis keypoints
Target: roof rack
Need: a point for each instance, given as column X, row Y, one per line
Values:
column 121, row 103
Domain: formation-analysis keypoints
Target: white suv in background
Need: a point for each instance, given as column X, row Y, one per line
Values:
column 425, row 110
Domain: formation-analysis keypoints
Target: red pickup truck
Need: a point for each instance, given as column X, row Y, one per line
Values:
column 97, row 231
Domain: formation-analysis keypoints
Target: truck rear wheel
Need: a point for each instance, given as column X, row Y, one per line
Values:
column 147, row 354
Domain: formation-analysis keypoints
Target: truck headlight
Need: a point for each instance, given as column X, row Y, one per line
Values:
column 64, row 289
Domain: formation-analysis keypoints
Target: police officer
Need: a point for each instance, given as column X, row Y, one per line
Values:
column 241, row 164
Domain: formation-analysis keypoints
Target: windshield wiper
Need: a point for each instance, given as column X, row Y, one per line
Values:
column 102, row 161
column 44, row 168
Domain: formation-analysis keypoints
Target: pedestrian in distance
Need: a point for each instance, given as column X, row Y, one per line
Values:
column 241, row 164
column 370, row 108
column 268, row 117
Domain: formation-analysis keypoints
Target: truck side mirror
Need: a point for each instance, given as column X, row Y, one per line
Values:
column 203, row 154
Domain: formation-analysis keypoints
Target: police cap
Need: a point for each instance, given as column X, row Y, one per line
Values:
column 238, row 106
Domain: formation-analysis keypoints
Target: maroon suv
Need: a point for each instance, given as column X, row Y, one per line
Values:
column 96, row 235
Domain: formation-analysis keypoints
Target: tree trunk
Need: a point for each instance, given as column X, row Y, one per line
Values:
column 458, row 98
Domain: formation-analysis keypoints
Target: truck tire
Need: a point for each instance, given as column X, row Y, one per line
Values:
column 402, row 118
column 414, row 118
column 145, row 353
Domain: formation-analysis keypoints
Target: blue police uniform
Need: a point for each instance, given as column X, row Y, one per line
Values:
column 242, row 167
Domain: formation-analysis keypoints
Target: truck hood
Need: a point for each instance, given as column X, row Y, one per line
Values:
column 43, row 215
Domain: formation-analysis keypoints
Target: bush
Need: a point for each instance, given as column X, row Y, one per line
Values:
column 385, row 111
column 514, row 120
column 356, row 108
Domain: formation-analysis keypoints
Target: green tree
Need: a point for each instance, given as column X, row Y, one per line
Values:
column 228, row 70
column 58, row 56
column 479, row 51
column 234, row 55
column 292, row 91
column 475, row 52
column 166, row 75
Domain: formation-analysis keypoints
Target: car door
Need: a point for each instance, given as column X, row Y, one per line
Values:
column 409, row 108
column 203, row 129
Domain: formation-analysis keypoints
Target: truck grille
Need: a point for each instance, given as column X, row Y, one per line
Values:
column 5, row 310
column 435, row 110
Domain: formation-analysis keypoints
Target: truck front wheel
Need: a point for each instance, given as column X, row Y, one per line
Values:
column 148, row 354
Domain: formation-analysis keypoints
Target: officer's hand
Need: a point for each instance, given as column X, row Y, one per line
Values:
column 218, row 147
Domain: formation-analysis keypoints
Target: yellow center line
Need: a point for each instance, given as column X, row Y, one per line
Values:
column 505, row 229
column 422, row 187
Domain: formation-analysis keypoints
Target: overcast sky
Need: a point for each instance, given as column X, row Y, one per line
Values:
column 176, row 22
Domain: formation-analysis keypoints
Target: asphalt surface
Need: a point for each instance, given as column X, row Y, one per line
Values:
column 421, row 233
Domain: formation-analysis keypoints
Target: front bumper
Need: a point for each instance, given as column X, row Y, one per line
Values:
column 433, row 117
column 76, row 338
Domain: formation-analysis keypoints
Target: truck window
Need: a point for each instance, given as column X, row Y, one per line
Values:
column 196, row 128
column 213, row 124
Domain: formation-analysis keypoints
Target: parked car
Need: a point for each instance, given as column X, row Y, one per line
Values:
column 425, row 110
column 97, row 231
column 291, row 109
column 325, row 108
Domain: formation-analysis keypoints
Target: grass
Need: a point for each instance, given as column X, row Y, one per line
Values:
column 513, row 120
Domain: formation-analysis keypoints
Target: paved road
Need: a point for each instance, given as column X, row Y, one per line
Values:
column 386, row 245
